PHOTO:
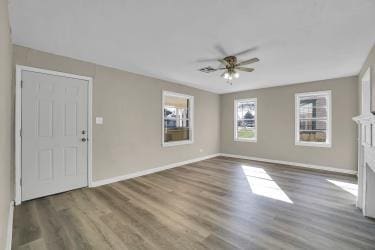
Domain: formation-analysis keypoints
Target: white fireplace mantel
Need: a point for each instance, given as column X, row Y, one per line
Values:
column 366, row 164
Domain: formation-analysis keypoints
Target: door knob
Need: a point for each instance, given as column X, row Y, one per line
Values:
column 84, row 139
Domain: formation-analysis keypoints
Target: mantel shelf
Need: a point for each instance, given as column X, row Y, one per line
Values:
column 365, row 118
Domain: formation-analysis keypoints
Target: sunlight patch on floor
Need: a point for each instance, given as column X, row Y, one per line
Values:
column 346, row 186
column 262, row 184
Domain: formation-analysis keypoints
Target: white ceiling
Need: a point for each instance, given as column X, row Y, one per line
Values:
column 295, row 40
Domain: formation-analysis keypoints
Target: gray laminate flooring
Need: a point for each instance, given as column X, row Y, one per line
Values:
column 220, row 203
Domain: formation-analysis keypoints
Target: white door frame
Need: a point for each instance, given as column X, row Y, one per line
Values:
column 18, row 125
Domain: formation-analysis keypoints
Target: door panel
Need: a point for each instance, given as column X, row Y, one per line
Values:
column 45, row 165
column 54, row 114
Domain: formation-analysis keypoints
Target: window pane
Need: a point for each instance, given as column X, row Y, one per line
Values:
column 309, row 111
column 176, row 134
column 248, row 123
column 245, row 123
column 313, row 107
column 176, row 118
column 176, row 101
column 170, row 112
column 313, row 117
column 313, row 125
column 246, row 110
column 176, row 123
column 315, row 99
column 312, row 136
column 169, row 123
column 245, row 133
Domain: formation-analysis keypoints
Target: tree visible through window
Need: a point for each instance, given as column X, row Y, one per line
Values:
column 245, row 119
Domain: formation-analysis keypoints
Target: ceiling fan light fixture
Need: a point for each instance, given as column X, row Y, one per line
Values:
column 231, row 67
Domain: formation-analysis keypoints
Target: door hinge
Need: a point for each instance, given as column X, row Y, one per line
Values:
column 21, row 84
column 20, row 181
column 21, row 132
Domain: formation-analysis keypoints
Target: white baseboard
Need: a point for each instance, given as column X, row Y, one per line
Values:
column 178, row 164
column 149, row 171
column 296, row 164
column 8, row 244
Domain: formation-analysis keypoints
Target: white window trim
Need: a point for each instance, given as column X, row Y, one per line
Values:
column 191, row 119
column 236, row 101
column 327, row 144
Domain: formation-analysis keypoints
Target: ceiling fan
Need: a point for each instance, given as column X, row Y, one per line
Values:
column 231, row 67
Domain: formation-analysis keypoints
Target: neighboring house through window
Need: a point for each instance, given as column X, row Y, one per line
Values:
column 177, row 119
column 313, row 119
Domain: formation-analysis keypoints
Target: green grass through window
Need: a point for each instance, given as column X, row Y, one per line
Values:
column 245, row 133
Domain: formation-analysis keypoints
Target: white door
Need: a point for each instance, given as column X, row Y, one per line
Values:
column 54, row 134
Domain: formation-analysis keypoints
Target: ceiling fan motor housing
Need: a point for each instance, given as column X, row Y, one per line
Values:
column 231, row 60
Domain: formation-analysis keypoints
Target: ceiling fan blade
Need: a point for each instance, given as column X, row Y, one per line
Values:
column 221, row 50
column 207, row 60
column 244, row 69
column 209, row 69
column 223, row 62
column 246, row 51
column 253, row 60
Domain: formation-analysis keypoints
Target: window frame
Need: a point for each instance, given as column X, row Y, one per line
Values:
column 328, row 143
column 236, row 101
column 191, row 119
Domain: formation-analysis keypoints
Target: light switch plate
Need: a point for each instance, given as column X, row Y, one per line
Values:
column 99, row 120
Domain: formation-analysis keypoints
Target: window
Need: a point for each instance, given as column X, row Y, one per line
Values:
column 177, row 119
column 313, row 119
column 245, row 120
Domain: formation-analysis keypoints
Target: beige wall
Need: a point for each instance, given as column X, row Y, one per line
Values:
column 276, row 124
column 127, row 143
column 5, row 120
column 130, row 138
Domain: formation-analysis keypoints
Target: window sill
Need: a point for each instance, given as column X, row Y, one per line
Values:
column 312, row 144
column 245, row 140
column 176, row 143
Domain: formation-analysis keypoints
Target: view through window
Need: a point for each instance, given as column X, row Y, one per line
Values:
column 245, row 119
column 313, row 118
column 177, row 118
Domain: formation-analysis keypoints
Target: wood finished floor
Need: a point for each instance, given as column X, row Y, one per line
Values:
column 213, row 204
